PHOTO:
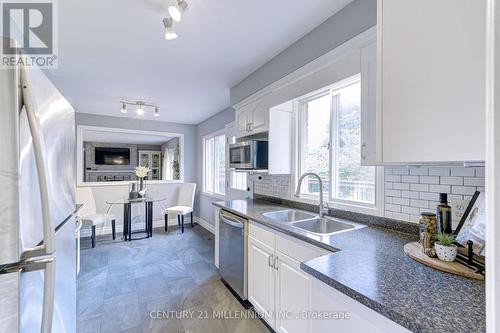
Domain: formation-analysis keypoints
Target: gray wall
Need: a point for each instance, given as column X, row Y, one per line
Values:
column 204, row 208
column 347, row 23
column 189, row 132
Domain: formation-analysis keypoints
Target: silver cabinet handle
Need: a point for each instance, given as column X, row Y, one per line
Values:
column 276, row 263
column 269, row 261
column 48, row 246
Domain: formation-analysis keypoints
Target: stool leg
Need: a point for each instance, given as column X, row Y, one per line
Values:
column 92, row 237
column 182, row 223
column 113, row 229
column 192, row 225
column 166, row 222
column 179, row 220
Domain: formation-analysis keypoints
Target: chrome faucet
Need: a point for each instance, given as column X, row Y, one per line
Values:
column 299, row 184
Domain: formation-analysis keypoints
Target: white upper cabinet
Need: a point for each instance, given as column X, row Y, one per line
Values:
column 431, row 72
column 252, row 119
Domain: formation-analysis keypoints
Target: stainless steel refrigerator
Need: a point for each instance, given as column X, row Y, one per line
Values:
column 37, row 205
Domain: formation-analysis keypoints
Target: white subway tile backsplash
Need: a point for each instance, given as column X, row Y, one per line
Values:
column 409, row 179
column 429, row 179
column 419, row 171
column 400, row 186
column 419, row 203
column 419, row 187
column 463, row 172
column 474, row 181
column 440, row 188
column 429, row 196
column 392, row 178
column 409, row 191
column 410, row 210
column 409, row 194
column 452, row 180
column 465, row 190
column 401, row 201
column 439, row 171
column 393, row 193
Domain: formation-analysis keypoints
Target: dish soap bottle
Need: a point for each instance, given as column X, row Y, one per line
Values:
column 444, row 214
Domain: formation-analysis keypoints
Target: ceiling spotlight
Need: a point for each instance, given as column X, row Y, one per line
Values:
column 140, row 109
column 176, row 11
column 124, row 108
column 169, row 29
column 157, row 112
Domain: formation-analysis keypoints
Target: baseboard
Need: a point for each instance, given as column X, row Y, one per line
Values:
column 205, row 224
column 106, row 229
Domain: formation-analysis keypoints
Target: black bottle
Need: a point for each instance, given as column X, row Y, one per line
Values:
column 444, row 214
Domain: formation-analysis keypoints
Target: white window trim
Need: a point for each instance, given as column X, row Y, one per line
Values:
column 377, row 208
column 204, row 192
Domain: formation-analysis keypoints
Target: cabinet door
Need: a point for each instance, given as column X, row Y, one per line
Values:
column 242, row 122
column 370, row 120
column 261, row 279
column 259, row 119
column 293, row 296
column 432, row 81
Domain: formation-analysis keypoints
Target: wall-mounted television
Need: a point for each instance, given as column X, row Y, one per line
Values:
column 112, row 156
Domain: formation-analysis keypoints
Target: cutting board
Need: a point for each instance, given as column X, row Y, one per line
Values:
column 414, row 251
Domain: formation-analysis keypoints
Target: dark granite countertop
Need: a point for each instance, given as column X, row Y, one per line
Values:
column 370, row 266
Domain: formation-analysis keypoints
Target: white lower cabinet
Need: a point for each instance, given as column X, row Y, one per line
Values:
column 261, row 278
column 293, row 295
column 292, row 301
column 278, row 289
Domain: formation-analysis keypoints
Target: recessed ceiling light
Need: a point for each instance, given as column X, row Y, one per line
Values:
column 169, row 29
column 124, row 108
column 176, row 11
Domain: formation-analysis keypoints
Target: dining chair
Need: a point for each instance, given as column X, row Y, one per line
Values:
column 89, row 215
column 185, row 204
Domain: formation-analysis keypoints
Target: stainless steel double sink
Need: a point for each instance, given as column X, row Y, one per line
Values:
column 310, row 222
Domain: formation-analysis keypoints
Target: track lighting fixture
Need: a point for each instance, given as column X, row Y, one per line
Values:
column 176, row 11
column 140, row 107
column 169, row 29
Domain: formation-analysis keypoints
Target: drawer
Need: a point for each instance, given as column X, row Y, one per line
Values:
column 263, row 234
column 295, row 248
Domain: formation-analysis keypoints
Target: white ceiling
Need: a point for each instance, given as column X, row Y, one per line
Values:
column 115, row 49
column 122, row 137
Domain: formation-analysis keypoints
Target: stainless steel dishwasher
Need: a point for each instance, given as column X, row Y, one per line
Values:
column 233, row 231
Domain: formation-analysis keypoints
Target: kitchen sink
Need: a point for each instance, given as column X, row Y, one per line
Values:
column 290, row 215
column 324, row 226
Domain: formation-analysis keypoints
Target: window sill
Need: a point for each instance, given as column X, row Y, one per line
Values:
column 214, row 195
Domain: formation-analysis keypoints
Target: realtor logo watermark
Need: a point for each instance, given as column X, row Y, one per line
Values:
column 29, row 31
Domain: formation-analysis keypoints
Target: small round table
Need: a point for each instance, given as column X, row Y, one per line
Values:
column 127, row 215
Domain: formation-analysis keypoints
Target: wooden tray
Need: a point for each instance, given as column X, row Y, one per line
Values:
column 414, row 251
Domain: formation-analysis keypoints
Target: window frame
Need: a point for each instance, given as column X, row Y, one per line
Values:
column 300, row 130
column 204, row 155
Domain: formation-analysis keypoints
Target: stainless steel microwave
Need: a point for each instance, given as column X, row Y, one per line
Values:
column 248, row 155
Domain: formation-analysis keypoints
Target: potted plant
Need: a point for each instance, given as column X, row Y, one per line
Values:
column 446, row 250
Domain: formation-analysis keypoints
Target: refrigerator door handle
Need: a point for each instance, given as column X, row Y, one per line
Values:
column 49, row 281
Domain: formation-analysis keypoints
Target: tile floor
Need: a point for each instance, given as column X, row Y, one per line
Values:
column 121, row 283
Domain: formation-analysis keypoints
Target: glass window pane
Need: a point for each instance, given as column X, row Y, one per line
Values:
column 352, row 181
column 239, row 180
column 316, row 156
column 220, row 164
column 209, row 153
